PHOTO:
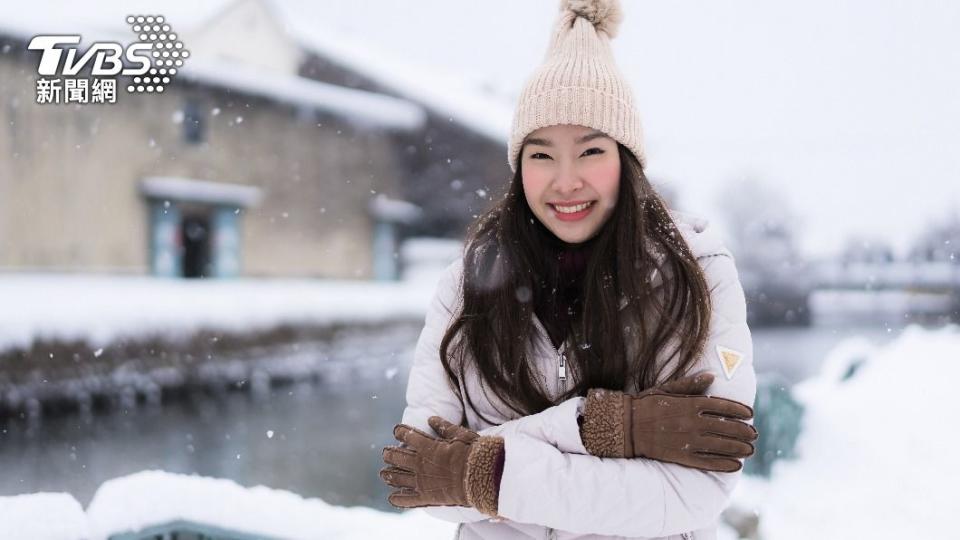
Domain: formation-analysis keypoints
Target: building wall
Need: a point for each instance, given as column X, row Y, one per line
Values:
column 63, row 204
column 69, row 178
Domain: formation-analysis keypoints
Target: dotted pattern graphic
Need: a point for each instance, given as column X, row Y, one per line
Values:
column 167, row 52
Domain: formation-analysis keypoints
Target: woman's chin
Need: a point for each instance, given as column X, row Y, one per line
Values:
column 571, row 237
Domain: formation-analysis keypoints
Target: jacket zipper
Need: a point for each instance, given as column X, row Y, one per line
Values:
column 561, row 369
column 561, row 388
column 561, row 358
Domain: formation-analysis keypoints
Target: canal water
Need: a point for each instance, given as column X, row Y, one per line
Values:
column 319, row 439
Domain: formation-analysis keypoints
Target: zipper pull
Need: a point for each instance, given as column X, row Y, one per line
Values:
column 562, row 368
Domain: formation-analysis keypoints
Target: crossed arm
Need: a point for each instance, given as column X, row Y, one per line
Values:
column 549, row 479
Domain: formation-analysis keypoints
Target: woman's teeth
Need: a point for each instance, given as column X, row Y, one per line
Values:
column 572, row 209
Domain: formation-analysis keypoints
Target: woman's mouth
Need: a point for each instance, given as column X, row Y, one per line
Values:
column 572, row 212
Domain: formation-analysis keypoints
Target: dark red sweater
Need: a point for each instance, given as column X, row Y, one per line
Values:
column 556, row 310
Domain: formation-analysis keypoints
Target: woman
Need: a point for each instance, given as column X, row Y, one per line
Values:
column 559, row 386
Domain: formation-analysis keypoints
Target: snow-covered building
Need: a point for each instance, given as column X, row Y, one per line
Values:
column 265, row 156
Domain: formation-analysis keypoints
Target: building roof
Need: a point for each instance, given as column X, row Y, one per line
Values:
column 448, row 96
column 362, row 108
column 418, row 85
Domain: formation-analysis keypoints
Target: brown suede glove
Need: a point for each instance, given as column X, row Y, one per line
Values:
column 673, row 422
column 455, row 470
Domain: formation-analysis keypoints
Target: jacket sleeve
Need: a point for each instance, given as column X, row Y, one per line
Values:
column 637, row 497
column 429, row 392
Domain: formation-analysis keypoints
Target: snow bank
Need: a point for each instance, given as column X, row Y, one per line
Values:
column 155, row 497
column 102, row 309
column 42, row 516
column 877, row 453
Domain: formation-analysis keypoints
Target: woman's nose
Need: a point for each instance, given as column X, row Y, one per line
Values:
column 567, row 181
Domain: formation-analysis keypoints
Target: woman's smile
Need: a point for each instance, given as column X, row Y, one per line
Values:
column 572, row 211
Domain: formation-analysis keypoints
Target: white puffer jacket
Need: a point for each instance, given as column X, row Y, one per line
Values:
column 551, row 486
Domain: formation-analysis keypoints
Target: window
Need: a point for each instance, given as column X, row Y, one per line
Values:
column 193, row 122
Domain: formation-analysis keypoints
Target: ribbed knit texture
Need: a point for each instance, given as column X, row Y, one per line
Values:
column 579, row 83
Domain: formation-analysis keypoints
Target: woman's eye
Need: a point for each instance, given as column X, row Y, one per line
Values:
column 588, row 151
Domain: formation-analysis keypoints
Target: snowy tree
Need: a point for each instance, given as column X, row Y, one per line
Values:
column 867, row 250
column 761, row 222
column 763, row 227
column 940, row 241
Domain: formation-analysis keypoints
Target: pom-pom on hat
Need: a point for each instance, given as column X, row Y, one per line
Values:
column 579, row 82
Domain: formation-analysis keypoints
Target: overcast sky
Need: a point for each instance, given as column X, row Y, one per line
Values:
column 851, row 109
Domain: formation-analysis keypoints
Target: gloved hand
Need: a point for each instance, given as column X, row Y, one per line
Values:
column 455, row 470
column 672, row 422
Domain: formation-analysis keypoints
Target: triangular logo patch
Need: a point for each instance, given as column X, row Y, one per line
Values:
column 730, row 360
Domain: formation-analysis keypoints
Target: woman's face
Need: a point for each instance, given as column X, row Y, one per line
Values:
column 571, row 178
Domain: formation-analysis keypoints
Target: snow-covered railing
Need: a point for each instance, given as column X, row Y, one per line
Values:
column 151, row 505
column 186, row 529
column 940, row 275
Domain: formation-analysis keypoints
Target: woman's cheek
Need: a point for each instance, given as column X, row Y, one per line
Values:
column 534, row 183
column 605, row 177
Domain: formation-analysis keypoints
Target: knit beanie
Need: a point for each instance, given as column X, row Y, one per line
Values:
column 579, row 82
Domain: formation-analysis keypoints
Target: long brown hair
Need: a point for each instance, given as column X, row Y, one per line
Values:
column 509, row 266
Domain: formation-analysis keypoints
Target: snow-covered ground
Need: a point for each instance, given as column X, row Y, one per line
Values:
column 102, row 309
column 877, row 453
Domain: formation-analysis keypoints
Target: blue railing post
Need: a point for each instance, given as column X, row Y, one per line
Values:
column 777, row 417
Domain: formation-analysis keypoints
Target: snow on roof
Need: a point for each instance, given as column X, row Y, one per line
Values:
column 394, row 210
column 367, row 108
column 450, row 96
column 446, row 95
column 186, row 189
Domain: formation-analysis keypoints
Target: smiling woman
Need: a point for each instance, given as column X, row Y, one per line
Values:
column 561, row 378
column 571, row 177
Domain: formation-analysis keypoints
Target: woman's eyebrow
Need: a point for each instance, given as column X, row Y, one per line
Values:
column 591, row 136
column 581, row 140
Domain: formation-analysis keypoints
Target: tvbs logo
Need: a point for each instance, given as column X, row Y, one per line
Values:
column 152, row 62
